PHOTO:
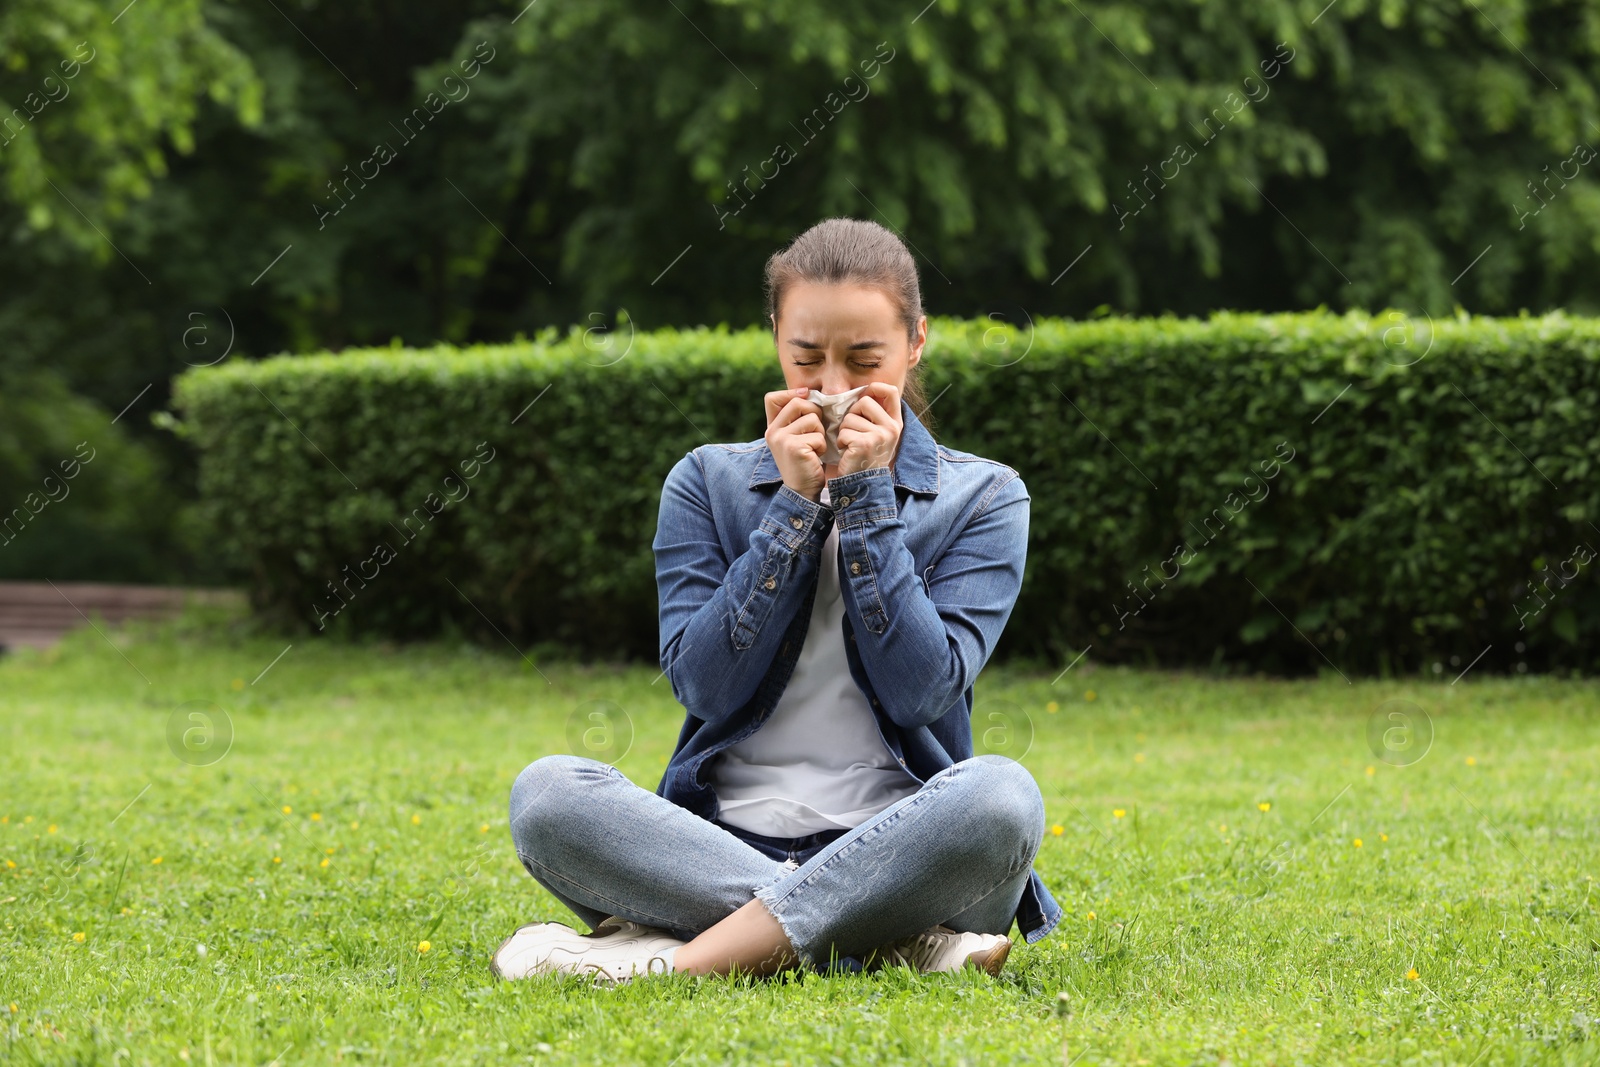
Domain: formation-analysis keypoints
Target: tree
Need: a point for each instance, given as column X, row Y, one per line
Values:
column 306, row 175
column 91, row 104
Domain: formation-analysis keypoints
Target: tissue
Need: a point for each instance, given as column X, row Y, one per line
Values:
column 834, row 408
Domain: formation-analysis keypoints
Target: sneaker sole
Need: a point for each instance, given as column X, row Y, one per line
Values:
column 991, row 960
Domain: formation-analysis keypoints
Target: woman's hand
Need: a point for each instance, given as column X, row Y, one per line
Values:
column 869, row 434
column 795, row 435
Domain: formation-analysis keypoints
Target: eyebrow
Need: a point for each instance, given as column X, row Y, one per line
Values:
column 857, row 347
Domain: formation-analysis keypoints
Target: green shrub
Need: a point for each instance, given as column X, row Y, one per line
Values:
column 1319, row 489
column 79, row 499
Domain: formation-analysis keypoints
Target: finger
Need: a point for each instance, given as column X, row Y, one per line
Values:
column 875, row 411
column 809, row 442
column 885, row 395
column 808, row 426
column 783, row 399
column 776, row 400
column 798, row 416
column 863, row 422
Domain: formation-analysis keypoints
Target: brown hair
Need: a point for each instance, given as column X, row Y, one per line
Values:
column 863, row 253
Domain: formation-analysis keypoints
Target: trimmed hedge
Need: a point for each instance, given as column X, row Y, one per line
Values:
column 1292, row 492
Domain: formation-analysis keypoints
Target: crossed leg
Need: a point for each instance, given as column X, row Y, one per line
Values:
column 957, row 852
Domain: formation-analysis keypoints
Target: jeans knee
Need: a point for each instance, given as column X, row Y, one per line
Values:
column 1012, row 807
column 541, row 791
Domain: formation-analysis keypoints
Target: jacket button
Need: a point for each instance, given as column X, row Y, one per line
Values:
column 796, row 523
column 843, row 501
column 855, row 568
column 770, row 582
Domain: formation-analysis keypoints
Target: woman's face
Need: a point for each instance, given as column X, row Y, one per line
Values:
column 834, row 337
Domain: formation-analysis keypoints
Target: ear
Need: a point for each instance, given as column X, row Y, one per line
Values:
column 922, row 339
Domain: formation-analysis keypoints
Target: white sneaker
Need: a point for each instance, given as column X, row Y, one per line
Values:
column 940, row 948
column 615, row 952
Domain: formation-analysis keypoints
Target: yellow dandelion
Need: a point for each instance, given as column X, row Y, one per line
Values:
column 52, row 829
column 287, row 810
column 1058, row 829
column 277, row 859
column 1383, row 837
column 156, row 860
column 13, row 1009
column 1356, row 842
column 1265, row 805
column 316, row 816
column 1222, row 828
column 416, row 820
column 1472, row 761
column 355, row 826
column 324, row 861
column 127, row 911
column 11, row 865
column 1117, row 813
column 4, row 819
column 1052, row 707
column 423, row 946
column 238, row 683
column 1371, row 771
column 1091, row 916
column 79, row 937
column 1138, row 757
column 1088, row 694
column 483, row 829
column 27, row 818
column 331, row 851
column 1412, row 975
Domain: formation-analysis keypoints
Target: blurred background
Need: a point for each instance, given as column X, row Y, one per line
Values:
column 184, row 182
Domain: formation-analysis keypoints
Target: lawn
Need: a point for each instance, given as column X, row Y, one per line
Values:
column 1245, row 881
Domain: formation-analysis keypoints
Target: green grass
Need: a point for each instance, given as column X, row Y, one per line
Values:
column 1220, row 932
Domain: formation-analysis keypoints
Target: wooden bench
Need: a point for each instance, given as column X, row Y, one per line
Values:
column 38, row 614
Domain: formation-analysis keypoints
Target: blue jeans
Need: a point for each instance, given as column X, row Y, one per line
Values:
column 957, row 852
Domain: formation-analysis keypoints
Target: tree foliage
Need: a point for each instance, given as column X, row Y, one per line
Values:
column 92, row 103
column 296, row 176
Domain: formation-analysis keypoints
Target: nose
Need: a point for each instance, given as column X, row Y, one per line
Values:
column 835, row 381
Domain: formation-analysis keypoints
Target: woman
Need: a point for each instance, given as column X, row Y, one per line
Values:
column 828, row 597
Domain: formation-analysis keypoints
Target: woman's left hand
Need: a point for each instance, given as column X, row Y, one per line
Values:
column 869, row 434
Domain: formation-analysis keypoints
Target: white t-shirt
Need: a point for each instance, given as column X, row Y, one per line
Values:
column 819, row 762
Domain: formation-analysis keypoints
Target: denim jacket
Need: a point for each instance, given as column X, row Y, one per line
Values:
column 931, row 560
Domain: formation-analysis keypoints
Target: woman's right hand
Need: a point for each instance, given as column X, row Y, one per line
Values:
column 797, row 441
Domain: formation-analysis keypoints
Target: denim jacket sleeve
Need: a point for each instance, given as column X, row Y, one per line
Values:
column 721, row 622
column 939, row 634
